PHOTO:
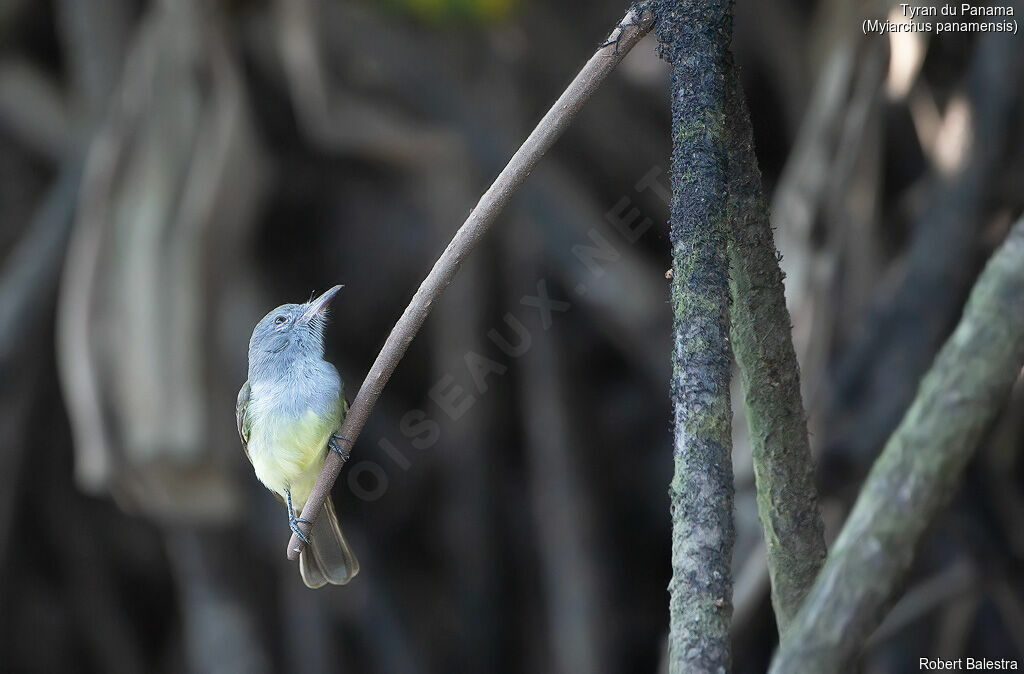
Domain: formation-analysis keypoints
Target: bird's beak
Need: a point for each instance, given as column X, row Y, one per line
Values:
column 319, row 305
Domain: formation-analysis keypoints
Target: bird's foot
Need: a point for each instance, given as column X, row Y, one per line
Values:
column 335, row 446
column 293, row 524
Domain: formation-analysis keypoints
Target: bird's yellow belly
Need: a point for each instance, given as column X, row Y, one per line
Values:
column 288, row 453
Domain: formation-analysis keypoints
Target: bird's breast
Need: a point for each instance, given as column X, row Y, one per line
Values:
column 287, row 445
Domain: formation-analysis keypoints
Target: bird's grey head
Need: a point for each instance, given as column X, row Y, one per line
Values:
column 288, row 333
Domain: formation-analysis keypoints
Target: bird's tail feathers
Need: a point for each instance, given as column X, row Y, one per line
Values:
column 328, row 558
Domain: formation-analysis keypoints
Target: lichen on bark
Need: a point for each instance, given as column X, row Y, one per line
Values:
column 695, row 37
column 762, row 341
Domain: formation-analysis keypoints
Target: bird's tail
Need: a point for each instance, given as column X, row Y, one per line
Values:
column 328, row 558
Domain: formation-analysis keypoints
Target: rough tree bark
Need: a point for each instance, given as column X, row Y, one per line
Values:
column 917, row 472
column 695, row 37
column 787, row 499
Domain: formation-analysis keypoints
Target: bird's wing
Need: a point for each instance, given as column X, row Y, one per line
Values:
column 242, row 419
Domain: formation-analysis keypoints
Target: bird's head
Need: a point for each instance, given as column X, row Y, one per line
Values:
column 290, row 331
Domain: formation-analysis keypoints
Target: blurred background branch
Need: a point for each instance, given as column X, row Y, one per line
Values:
column 169, row 171
column 956, row 404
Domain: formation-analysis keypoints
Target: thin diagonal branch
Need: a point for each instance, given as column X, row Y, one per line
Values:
column 634, row 26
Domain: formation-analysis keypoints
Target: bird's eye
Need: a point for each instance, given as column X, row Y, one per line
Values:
column 280, row 320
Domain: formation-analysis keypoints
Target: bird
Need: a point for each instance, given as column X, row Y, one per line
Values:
column 288, row 413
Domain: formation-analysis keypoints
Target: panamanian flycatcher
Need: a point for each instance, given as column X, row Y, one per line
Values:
column 287, row 413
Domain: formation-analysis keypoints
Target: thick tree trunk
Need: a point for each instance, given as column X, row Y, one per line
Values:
column 695, row 37
column 787, row 499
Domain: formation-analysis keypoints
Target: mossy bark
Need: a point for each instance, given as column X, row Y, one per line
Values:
column 787, row 499
column 917, row 472
column 695, row 37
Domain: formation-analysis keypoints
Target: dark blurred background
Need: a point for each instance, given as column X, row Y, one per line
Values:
column 172, row 170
